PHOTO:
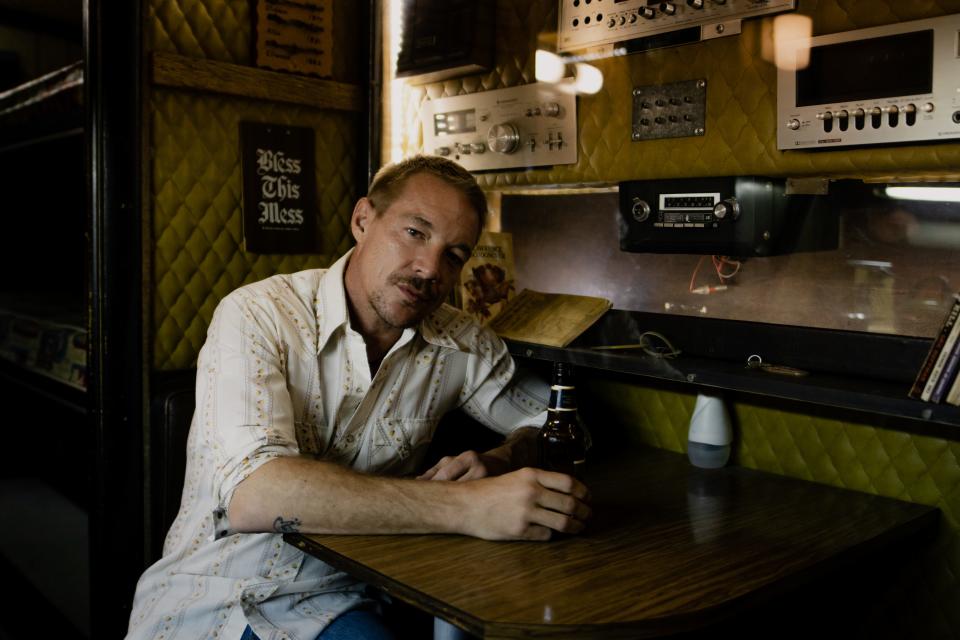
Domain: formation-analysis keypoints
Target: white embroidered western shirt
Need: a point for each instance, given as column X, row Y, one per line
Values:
column 282, row 373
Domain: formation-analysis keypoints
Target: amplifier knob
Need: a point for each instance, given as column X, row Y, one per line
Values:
column 647, row 12
column 640, row 210
column 793, row 124
column 668, row 8
column 442, row 151
column 551, row 110
column 503, row 138
column 927, row 108
column 695, row 4
column 478, row 147
column 728, row 208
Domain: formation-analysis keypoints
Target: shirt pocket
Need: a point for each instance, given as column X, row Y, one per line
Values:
column 400, row 443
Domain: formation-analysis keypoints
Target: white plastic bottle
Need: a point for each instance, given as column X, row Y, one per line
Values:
column 710, row 433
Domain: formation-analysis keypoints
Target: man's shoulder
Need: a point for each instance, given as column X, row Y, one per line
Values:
column 297, row 289
column 455, row 329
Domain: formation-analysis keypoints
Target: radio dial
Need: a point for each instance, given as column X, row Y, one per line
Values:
column 725, row 209
column 503, row 138
column 640, row 210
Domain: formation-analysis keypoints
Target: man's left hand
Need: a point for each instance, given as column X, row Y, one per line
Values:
column 469, row 465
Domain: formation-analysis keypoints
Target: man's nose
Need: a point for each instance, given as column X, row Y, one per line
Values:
column 428, row 263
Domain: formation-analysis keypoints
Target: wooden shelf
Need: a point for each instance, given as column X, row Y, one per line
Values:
column 181, row 72
column 882, row 394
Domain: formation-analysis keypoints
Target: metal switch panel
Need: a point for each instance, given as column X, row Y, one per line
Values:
column 588, row 24
column 531, row 125
column 673, row 110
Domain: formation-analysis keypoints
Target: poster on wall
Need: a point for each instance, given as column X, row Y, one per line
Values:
column 295, row 36
column 279, row 188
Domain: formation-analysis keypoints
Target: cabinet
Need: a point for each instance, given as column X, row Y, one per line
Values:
column 45, row 484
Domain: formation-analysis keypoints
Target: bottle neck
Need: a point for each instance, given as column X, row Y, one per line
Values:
column 562, row 398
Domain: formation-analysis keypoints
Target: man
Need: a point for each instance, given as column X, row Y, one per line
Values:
column 311, row 383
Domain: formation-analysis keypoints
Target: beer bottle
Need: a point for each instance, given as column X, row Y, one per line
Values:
column 561, row 444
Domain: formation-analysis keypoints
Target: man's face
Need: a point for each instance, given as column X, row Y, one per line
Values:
column 409, row 257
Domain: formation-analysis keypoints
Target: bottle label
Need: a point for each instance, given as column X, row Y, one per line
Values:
column 562, row 398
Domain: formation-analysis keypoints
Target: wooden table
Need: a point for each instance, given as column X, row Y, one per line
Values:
column 670, row 548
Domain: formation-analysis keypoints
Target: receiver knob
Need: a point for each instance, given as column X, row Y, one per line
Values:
column 640, row 210
column 728, row 208
column 668, row 8
column 647, row 12
column 503, row 138
column 442, row 151
column 695, row 4
column 793, row 124
column 551, row 110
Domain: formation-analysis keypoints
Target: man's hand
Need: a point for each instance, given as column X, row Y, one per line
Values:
column 469, row 465
column 526, row 505
column 519, row 450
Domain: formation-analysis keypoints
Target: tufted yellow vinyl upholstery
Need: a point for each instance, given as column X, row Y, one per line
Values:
column 196, row 225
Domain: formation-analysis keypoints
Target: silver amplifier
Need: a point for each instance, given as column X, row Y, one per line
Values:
column 883, row 85
column 527, row 126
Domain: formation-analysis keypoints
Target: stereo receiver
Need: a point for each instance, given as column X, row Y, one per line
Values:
column 889, row 84
column 733, row 216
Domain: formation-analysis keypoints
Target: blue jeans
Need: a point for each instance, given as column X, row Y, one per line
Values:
column 357, row 624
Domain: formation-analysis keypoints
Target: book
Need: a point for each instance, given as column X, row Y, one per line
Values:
column 937, row 370
column 954, row 396
column 551, row 319
column 923, row 376
column 487, row 279
column 949, row 372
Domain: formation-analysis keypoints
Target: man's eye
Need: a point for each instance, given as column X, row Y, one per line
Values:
column 414, row 233
column 457, row 259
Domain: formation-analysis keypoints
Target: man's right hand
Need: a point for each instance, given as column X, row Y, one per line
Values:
column 525, row 505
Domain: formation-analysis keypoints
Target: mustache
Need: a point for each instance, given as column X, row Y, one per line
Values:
column 425, row 287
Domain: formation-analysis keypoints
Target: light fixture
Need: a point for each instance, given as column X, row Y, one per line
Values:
column 928, row 194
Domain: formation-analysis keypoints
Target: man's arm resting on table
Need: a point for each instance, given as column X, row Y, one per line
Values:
column 312, row 496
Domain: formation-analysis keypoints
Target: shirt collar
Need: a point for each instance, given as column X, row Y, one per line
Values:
column 331, row 306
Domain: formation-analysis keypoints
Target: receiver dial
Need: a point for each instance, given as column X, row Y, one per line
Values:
column 728, row 209
column 503, row 138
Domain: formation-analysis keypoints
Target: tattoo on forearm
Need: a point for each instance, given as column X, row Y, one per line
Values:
column 286, row 526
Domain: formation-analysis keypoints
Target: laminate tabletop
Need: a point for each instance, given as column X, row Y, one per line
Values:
column 669, row 548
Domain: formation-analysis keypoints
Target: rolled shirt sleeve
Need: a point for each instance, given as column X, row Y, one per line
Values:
column 246, row 411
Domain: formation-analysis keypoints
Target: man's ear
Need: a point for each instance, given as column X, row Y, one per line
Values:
column 363, row 212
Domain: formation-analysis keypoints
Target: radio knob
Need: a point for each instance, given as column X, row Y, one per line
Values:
column 927, row 108
column 551, row 110
column 647, row 12
column 695, row 4
column 640, row 210
column 611, row 23
column 442, row 151
column 503, row 138
column 793, row 124
column 668, row 8
column 478, row 147
column 910, row 108
column 728, row 208
column 858, row 113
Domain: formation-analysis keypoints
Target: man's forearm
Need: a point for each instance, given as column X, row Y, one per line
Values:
column 311, row 496
column 301, row 494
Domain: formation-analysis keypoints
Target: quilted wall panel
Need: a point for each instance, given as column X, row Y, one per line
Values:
column 916, row 599
column 196, row 224
column 741, row 103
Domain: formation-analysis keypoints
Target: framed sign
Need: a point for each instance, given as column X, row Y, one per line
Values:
column 279, row 188
column 295, row 36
